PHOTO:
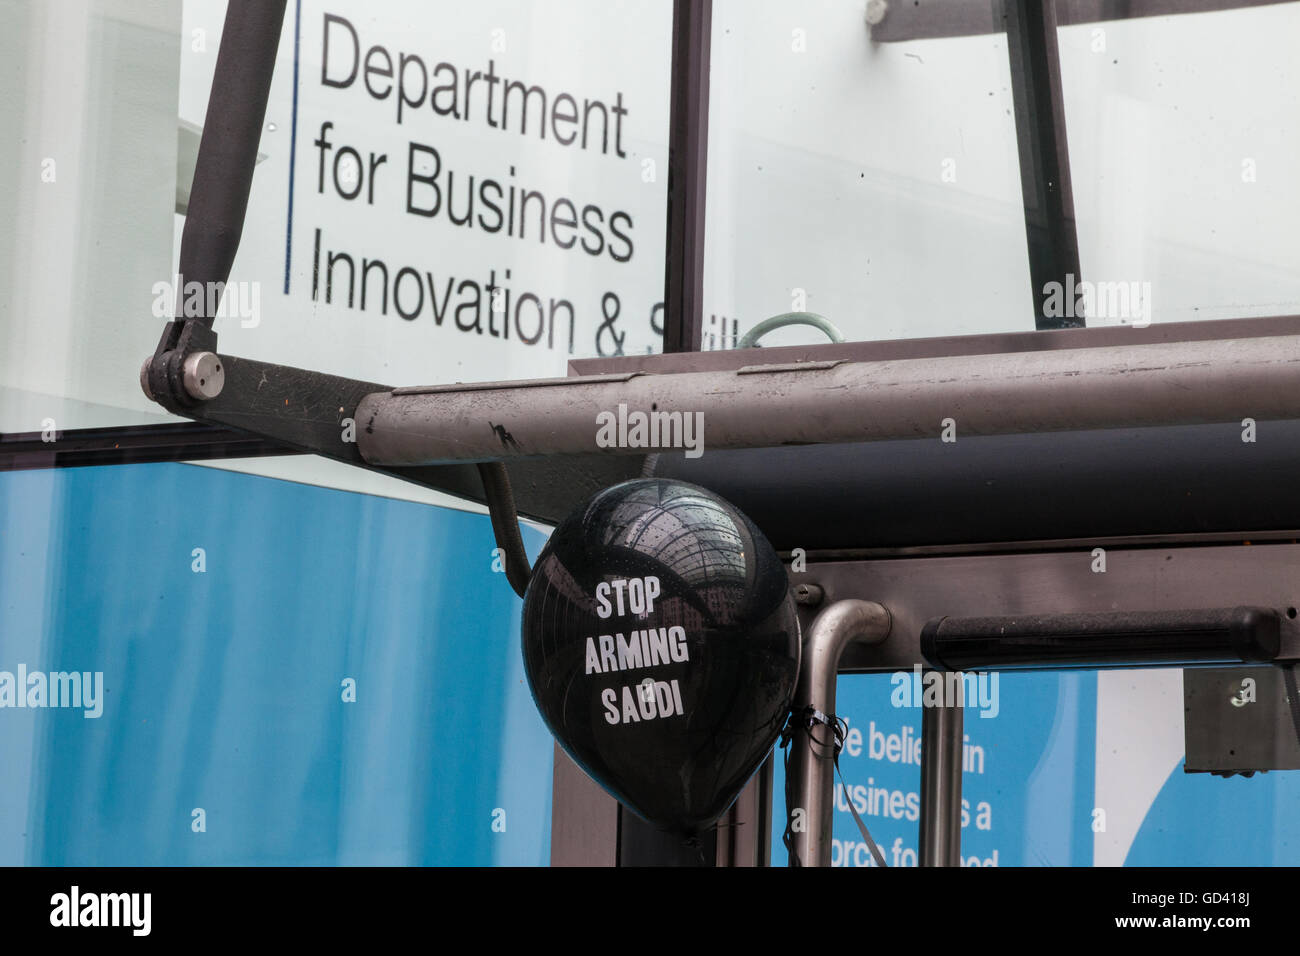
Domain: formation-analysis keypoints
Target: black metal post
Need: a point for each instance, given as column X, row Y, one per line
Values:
column 687, row 170
column 223, row 176
column 1044, row 158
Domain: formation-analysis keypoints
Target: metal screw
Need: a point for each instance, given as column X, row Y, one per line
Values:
column 144, row 378
column 810, row 594
column 203, row 375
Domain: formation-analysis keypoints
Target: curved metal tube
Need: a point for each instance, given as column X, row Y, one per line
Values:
column 820, row 322
column 812, row 762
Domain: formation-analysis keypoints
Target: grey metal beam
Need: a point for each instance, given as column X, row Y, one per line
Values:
column 917, row 590
column 824, row 402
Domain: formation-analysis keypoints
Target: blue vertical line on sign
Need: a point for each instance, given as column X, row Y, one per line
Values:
column 293, row 142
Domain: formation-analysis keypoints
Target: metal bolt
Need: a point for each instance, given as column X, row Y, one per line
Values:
column 810, row 594
column 144, row 378
column 203, row 375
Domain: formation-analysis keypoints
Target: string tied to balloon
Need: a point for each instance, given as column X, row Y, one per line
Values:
column 804, row 721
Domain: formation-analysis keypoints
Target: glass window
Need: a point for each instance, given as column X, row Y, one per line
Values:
column 88, row 104
column 875, row 184
column 1182, row 146
column 444, row 192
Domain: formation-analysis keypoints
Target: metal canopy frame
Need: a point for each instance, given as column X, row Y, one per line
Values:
column 1149, row 584
column 221, row 187
column 286, row 409
column 935, row 19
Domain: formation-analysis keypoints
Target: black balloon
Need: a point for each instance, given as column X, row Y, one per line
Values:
column 662, row 648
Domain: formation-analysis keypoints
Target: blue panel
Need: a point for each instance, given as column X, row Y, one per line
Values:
column 1028, row 781
column 1202, row 820
column 223, row 690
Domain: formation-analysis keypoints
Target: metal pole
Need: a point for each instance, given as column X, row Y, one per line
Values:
column 812, row 760
column 214, row 221
column 1044, row 157
column 1121, row 386
column 232, row 131
column 941, row 754
column 688, row 155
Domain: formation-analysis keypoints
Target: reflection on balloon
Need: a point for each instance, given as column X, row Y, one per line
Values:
column 662, row 648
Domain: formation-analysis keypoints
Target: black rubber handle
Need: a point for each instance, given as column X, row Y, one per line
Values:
column 1116, row 639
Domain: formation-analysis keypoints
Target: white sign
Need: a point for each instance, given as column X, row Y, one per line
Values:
column 457, row 193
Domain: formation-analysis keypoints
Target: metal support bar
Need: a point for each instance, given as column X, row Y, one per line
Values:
column 223, row 176
column 812, row 766
column 957, row 18
column 311, row 412
column 941, row 754
column 1044, row 158
column 688, row 155
column 232, row 130
column 821, row 402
